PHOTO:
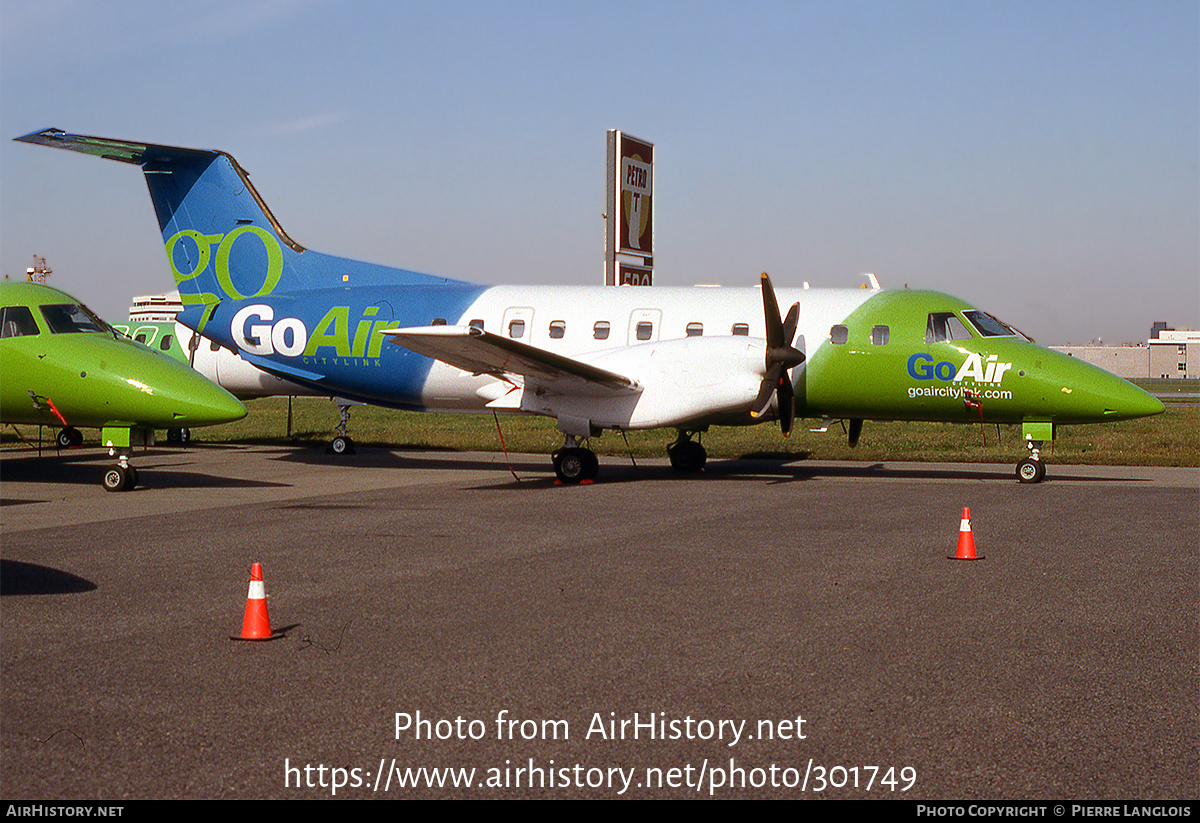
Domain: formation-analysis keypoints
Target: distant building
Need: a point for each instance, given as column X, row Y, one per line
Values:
column 157, row 308
column 1123, row 361
column 1169, row 353
column 1175, row 354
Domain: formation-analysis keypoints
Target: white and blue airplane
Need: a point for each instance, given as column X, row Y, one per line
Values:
column 593, row 358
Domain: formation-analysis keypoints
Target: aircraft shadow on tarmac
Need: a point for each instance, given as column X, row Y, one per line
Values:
column 158, row 469
column 781, row 471
column 17, row 577
column 792, row 470
column 532, row 472
column 756, row 470
column 400, row 459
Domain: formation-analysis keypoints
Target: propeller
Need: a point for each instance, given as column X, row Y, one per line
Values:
column 781, row 356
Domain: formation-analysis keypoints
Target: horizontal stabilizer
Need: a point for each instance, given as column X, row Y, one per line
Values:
column 277, row 368
column 121, row 150
column 481, row 352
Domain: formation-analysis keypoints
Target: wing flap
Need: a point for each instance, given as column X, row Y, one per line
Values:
column 481, row 352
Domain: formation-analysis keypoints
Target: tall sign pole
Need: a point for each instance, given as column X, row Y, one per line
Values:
column 629, row 218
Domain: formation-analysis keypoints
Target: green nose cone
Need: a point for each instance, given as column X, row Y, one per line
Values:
column 1128, row 401
column 204, row 404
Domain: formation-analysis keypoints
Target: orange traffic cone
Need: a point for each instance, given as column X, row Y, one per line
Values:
column 257, row 623
column 966, row 540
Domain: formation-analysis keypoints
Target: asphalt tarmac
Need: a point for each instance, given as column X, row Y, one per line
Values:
column 448, row 629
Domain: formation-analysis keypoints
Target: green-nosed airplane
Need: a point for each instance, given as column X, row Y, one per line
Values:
column 594, row 359
column 60, row 365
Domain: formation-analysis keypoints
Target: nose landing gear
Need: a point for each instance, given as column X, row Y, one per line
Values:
column 1032, row 469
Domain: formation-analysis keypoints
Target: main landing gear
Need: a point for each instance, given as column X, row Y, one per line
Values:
column 687, row 455
column 342, row 444
column 68, row 437
column 1032, row 469
column 574, row 463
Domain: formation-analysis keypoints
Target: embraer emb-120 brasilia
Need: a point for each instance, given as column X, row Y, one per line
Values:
column 599, row 358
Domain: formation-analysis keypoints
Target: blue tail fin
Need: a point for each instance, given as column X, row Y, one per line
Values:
column 221, row 239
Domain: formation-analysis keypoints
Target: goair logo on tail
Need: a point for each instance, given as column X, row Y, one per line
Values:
column 921, row 366
column 192, row 247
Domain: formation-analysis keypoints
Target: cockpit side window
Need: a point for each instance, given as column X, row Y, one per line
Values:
column 71, row 318
column 17, row 321
column 989, row 326
column 944, row 326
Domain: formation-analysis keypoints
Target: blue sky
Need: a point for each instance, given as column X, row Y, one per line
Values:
column 1036, row 158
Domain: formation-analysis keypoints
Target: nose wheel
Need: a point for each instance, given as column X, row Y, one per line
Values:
column 121, row 477
column 1032, row 469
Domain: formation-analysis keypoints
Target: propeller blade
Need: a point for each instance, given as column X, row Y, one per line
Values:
column 771, row 315
column 790, row 323
column 787, row 405
column 780, row 357
column 770, row 383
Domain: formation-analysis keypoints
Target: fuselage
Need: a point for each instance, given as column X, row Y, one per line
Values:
column 869, row 354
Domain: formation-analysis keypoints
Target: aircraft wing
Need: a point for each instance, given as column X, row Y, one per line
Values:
column 481, row 352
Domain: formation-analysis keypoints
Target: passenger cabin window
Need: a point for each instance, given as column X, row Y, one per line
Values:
column 741, row 330
column 644, row 330
column 838, row 334
column 600, row 330
column 476, row 324
column 165, row 343
column 879, row 335
column 71, row 318
column 516, row 329
column 17, row 321
column 558, row 329
column 695, row 329
column 944, row 326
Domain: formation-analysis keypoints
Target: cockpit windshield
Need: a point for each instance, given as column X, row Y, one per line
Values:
column 989, row 326
column 72, row 318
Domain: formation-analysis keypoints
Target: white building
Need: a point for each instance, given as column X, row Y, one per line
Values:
column 1169, row 353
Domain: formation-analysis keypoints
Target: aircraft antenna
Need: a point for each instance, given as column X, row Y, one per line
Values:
column 39, row 271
